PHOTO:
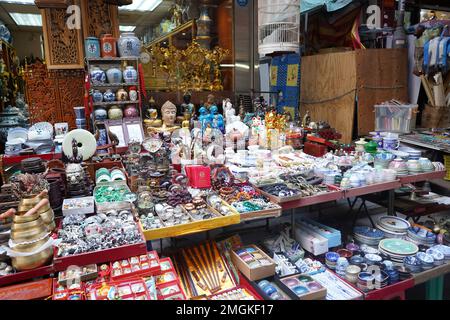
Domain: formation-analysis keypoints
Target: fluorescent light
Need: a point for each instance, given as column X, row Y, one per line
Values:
column 127, row 28
column 27, row 19
column 19, row 1
column 142, row 5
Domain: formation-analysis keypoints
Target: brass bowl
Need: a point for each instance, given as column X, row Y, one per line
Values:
column 51, row 226
column 34, row 261
column 30, row 247
column 18, row 227
column 48, row 216
column 21, row 218
column 45, row 208
column 28, row 235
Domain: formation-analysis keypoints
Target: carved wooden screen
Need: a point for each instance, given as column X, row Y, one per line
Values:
column 99, row 18
column 63, row 45
column 52, row 94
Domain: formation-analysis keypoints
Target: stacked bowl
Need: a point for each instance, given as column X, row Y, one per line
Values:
column 421, row 235
column 426, row 260
column 414, row 167
column 393, row 227
column 399, row 166
column 426, row 165
column 445, row 250
column 397, row 250
column 331, row 259
column 367, row 235
column 412, row 264
column 439, row 258
column 414, row 154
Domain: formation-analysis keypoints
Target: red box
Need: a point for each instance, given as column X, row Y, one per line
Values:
column 153, row 267
column 26, row 275
column 94, row 292
column 27, row 291
column 170, row 291
column 65, row 294
column 97, row 257
column 199, row 176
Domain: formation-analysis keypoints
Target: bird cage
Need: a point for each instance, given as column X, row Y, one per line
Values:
column 278, row 26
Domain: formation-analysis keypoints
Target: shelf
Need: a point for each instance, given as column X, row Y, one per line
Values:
column 98, row 104
column 113, row 59
column 111, row 85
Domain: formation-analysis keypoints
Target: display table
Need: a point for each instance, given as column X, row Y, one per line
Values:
column 434, row 281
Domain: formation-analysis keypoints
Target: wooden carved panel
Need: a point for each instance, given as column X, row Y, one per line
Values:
column 99, row 18
column 63, row 46
column 52, row 94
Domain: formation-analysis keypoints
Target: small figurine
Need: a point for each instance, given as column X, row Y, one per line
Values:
column 187, row 105
column 229, row 110
column 204, row 117
column 76, row 158
column 306, row 120
column 210, row 102
column 217, row 119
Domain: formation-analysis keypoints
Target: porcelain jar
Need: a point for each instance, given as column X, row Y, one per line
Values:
column 109, row 96
column 133, row 94
column 115, row 113
column 97, row 96
column 360, row 145
column 121, row 95
column 108, row 46
column 129, row 45
column 130, row 75
column 92, row 47
column 131, row 111
column 100, row 114
column 98, row 76
column 114, row 75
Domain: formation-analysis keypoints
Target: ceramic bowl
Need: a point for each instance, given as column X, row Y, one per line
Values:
column 425, row 258
column 372, row 258
column 332, row 257
column 344, row 253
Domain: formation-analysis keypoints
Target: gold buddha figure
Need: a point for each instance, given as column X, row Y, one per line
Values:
column 169, row 115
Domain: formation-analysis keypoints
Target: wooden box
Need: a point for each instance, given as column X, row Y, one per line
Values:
column 253, row 274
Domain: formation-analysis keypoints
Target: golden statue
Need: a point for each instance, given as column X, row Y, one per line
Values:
column 169, row 115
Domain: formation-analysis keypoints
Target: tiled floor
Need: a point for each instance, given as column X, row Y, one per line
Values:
column 335, row 214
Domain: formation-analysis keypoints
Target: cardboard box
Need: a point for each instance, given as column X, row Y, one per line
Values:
column 311, row 242
column 332, row 235
column 254, row 273
column 70, row 207
column 312, row 289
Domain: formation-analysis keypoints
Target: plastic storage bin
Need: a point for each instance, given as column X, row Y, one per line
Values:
column 395, row 118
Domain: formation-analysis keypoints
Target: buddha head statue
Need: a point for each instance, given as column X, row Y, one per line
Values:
column 169, row 114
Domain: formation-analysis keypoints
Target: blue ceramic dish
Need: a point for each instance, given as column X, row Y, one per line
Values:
column 332, row 256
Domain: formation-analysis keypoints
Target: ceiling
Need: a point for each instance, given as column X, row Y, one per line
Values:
column 141, row 19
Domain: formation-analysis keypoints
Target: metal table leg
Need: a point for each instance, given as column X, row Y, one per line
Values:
column 391, row 201
column 435, row 288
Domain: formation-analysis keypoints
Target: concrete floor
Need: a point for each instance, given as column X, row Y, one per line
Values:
column 334, row 214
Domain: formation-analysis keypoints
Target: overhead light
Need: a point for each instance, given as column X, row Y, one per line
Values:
column 27, row 19
column 19, row 1
column 127, row 28
column 142, row 5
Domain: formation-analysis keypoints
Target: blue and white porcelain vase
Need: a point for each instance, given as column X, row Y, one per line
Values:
column 129, row 45
column 114, row 75
column 100, row 114
column 130, row 75
column 92, row 47
column 109, row 96
column 98, row 76
column 97, row 96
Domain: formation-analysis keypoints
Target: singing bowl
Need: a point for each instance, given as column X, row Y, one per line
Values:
column 29, row 235
column 33, row 261
column 48, row 216
column 51, row 226
column 45, row 208
column 28, row 247
column 21, row 218
column 31, row 200
column 19, row 227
